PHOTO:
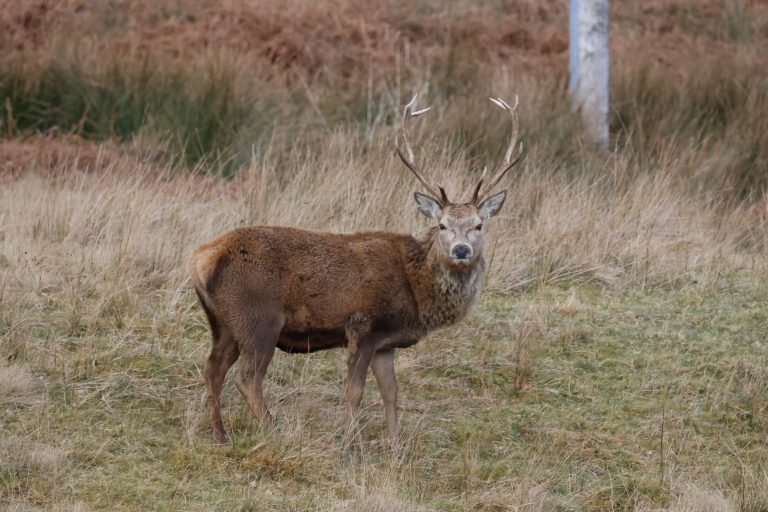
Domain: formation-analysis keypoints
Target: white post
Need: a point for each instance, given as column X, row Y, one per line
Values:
column 590, row 66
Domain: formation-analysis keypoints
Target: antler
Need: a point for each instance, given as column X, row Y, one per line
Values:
column 509, row 162
column 436, row 191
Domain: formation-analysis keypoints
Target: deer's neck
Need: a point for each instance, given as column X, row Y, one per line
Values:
column 443, row 296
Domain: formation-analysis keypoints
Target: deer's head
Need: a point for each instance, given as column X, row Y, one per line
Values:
column 461, row 225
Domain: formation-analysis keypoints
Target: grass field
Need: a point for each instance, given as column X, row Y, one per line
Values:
column 618, row 359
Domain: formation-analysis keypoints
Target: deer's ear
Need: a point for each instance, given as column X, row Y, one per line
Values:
column 427, row 205
column 492, row 205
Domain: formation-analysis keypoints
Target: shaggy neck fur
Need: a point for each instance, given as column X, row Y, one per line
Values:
column 443, row 296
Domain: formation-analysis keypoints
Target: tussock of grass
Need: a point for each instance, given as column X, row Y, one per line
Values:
column 23, row 458
column 197, row 113
column 30, row 472
column 16, row 385
column 692, row 497
column 715, row 106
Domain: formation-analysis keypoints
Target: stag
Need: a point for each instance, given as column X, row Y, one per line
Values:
column 301, row 291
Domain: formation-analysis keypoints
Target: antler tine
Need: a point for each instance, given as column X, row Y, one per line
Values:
column 436, row 191
column 509, row 161
column 479, row 184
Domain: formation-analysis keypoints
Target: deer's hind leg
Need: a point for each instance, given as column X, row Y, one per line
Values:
column 224, row 353
column 357, row 369
column 359, row 354
column 257, row 338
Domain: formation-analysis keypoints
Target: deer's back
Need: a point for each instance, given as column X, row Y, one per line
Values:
column 318, row 280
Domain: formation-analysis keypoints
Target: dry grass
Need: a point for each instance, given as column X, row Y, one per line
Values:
column 16, row 385
column 503, row 414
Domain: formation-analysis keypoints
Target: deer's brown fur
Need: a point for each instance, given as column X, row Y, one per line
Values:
column 323, row 285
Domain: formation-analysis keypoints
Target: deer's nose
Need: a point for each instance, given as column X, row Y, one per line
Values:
column 461, row 252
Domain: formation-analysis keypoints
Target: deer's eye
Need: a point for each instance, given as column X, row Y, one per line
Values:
column 479, row 227
column 442, row 227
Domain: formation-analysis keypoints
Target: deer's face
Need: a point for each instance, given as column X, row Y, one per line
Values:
column 461, row 234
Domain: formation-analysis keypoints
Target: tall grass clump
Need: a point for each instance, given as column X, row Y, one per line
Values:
column 197, row 110
column 714, row 108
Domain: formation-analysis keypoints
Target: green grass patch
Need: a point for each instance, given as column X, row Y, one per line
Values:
column 624, row 394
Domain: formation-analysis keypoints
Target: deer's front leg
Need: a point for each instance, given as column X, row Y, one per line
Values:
column 384, row 370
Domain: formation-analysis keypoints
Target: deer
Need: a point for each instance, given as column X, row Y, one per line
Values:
column 268, row 287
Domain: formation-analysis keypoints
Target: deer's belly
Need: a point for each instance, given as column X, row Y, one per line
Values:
column 298, row 342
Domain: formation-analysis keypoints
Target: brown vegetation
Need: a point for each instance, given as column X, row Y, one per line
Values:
column 49, row 156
